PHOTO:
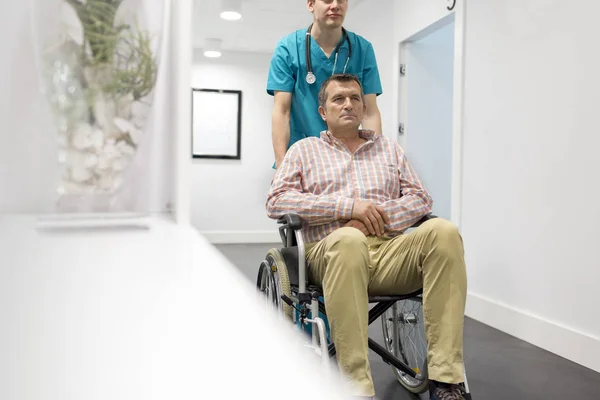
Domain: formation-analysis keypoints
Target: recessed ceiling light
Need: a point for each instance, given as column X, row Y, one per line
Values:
column 212, row 54
column 231, row 10
column 212, row 48
column 231, row 15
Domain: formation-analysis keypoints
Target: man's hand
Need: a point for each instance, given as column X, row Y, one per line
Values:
column 354, row 223
column 374, row 217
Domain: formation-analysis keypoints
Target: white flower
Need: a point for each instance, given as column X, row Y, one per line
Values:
column 80, row 173
column 91, row 160
column 82, row 138
column 97, row 138
column 75, row 158
column 118, row 164
column 106, row 156
column 103, row 162
column 125, row 149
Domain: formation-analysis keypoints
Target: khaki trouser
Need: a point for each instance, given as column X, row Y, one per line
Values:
column 349, row 267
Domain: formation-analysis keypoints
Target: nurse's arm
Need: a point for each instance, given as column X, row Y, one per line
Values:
column 372, row 117
column 280, row 121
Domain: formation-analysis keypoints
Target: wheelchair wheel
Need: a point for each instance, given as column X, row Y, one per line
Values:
column 273, row 281
column 404, row 337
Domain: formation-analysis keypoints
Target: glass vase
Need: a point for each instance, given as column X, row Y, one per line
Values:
column 98, row 62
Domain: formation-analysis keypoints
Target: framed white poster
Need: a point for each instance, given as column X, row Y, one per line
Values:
column 216, row 123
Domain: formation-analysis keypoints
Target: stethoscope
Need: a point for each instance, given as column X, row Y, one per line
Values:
column 310, row 77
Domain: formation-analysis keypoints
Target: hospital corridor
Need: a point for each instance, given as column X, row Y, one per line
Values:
column 291, row 199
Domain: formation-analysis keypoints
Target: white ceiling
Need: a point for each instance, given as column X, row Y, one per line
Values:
column 263, row 23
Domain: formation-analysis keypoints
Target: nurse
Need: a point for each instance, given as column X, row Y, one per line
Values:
column 301, row 62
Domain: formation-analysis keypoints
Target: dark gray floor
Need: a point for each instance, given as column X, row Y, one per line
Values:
column 499, row 366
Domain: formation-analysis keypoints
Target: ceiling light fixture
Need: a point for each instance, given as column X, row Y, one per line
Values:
column 231, row 10
column 212, row 48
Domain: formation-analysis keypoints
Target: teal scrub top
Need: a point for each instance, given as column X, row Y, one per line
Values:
column 288, row 71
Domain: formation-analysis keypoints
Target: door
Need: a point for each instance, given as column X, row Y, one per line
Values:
column 426, row 110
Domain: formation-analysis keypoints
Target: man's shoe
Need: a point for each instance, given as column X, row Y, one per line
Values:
column 441, row 391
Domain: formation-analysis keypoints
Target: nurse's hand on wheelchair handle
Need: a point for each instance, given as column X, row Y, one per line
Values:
column 373, row 216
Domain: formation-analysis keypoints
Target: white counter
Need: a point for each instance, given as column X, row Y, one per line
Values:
column 146, row 314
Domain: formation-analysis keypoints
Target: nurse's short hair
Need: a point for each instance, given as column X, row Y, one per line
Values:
column 338, row 78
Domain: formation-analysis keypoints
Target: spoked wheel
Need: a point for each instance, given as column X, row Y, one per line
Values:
column 404, row 336
column 273, row 281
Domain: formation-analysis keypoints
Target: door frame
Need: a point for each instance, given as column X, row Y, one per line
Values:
column 458, row 16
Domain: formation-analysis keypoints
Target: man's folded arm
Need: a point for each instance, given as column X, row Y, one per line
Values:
column 286, row 196
column 415, row 201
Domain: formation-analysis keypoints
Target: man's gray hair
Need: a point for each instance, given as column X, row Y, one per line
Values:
column 338, row 78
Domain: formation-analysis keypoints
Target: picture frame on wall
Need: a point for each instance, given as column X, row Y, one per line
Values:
column 216, row 124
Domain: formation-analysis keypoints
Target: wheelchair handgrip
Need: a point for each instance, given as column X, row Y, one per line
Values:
column 292, row 221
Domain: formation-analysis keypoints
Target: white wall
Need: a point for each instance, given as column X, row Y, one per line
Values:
column 27, row 151
column 412, row 16
column 531, row 202
column 228, row 196
column 429, row 111
column 378, row 28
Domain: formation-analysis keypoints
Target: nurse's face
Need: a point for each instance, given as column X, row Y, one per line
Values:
column 344, row 107
column 329, row 13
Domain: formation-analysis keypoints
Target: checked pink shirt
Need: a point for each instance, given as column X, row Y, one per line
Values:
column 319, row 179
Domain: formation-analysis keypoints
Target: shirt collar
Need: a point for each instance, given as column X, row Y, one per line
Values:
column 363, row 133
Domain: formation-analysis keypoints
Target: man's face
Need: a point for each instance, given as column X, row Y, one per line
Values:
column 344, row 107
column 329, row 13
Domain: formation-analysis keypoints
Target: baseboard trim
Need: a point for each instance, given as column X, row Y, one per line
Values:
column 575, row 346
column 232, row 237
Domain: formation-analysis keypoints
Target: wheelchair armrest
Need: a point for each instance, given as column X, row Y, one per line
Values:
column 292, row 221
column 289, row 223
column 425, row 218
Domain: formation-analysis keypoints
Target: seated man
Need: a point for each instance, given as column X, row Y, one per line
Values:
column 357, row 194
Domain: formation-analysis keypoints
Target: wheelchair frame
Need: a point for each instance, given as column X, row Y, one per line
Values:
column 308, row 300
column 294, row 223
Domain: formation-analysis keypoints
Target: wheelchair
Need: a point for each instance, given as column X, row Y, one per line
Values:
column 282, row 280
